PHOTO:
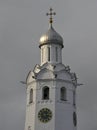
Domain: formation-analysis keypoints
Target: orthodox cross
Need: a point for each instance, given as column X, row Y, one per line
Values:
column 51, row 14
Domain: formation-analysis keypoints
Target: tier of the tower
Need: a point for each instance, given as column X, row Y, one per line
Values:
column 51, row 54
column 51, row 45
column 51, row 98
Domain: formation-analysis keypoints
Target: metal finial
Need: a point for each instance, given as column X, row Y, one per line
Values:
column 51, row 14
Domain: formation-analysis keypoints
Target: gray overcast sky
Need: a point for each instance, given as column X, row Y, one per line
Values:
column 22, row 22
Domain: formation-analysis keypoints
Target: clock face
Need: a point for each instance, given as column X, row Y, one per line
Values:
column 45, row 115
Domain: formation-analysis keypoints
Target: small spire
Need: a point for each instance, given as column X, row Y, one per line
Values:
column 51, row 14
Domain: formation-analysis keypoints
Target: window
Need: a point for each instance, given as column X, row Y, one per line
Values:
column 56, row 51
column 42, row 54
column 31, row 96
column 74, row 98
column 63, row 93
column 45, row 93
column 74, row 119
column 48, row 53
column 29, row 127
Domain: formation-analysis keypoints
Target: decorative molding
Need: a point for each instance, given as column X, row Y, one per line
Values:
column 64, row 102
column 61, row 80
column 45, row 101
column 28, row 105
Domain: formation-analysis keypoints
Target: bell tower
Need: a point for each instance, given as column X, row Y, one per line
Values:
column 51, row 87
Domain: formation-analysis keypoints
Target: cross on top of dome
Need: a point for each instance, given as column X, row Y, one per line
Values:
column 51, row 36
column 51, row 13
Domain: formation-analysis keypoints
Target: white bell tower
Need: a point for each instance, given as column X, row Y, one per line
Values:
column 51, row 88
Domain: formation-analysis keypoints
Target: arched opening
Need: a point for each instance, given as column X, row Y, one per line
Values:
column 42, row 53
column 29, row 127
column 31, row 96
column 74, row 98
column 63, row 93
column 48, row 53
column 45, row 93
column 74, row 119
column 56, row 51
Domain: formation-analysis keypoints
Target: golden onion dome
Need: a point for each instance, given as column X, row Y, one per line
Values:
column 51, row 37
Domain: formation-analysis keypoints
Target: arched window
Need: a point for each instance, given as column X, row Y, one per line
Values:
column 74, row 98
column 56, row 51
column 48, row 53
column 74, row 119
column 45, row 93
column 31, row 96
column 63, row 93
column 29, row 127
column 42, row 53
